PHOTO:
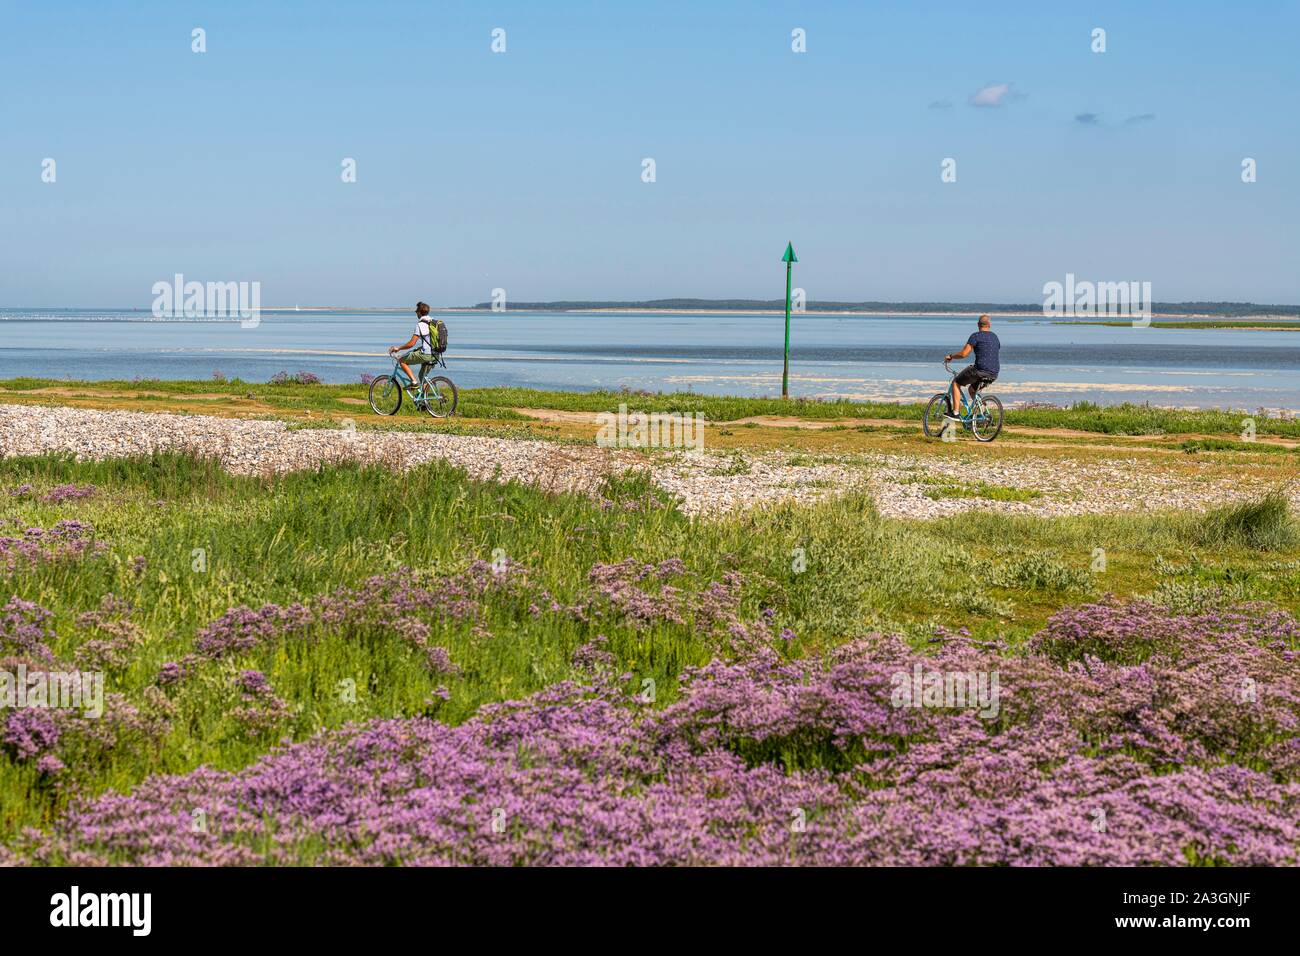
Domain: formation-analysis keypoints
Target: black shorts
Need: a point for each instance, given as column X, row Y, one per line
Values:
column 977, row 378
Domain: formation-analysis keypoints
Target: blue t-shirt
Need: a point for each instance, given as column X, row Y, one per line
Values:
column 986, row 346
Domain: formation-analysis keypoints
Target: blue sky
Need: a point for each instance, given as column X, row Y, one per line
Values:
column 522, row 170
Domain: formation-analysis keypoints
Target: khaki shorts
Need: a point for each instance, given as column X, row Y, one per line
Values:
column 416, row 357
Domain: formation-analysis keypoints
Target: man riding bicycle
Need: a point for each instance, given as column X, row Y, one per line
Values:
column 983, row 372
column 422, row 339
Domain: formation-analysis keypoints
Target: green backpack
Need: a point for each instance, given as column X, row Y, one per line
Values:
column 437, row 335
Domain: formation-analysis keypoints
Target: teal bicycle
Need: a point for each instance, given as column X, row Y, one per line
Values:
column 437, row 395
column 981, row 416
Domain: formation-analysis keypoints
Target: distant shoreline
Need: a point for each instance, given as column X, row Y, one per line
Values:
column 1156, row 317
column 1228, row 313
column 1241, row 324
column 969, row 313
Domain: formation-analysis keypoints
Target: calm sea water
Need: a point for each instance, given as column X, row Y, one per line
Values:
column 856, row 357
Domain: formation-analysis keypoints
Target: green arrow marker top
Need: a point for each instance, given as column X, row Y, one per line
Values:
column 789, row 253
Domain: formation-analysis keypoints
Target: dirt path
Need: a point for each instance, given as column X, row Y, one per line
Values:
column 779, row 421
column 138, row 393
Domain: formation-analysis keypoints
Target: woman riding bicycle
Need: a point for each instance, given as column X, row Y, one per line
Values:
column 422, row 353
column 984, row 370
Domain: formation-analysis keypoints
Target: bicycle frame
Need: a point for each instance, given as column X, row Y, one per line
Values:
column 400, row 376
column 399, row 373
column 967, row 413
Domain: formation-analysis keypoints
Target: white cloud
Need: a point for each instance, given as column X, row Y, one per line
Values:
column 991, row 95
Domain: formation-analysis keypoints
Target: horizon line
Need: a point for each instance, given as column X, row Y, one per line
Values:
column 710, row 304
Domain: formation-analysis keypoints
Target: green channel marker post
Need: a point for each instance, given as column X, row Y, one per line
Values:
column 789, row 260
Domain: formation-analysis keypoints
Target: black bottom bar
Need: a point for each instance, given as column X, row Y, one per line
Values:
column 305, row 906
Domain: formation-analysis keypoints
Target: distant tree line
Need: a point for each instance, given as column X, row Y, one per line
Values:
column 1226, row 309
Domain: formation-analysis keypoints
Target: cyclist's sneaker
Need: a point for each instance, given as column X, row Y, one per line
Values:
column 950, row 417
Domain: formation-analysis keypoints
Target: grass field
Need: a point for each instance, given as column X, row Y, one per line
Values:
column 481, row 593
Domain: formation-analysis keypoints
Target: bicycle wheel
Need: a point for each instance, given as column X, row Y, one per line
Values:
column 986, row 423
column 385, row 395
column 933, row 421
column 440, row 396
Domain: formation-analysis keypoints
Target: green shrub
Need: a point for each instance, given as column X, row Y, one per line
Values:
column 1041, row 572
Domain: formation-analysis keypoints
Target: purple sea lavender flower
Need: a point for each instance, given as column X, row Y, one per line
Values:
column 260, row 711
column 440, row 661
column 50, row 765
column 253, row 683
column 25, row 629
column 30, row 732
column 117, row 636
column 584, row 775
column 174, row 672
column 61, row 493
column 66, row 540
